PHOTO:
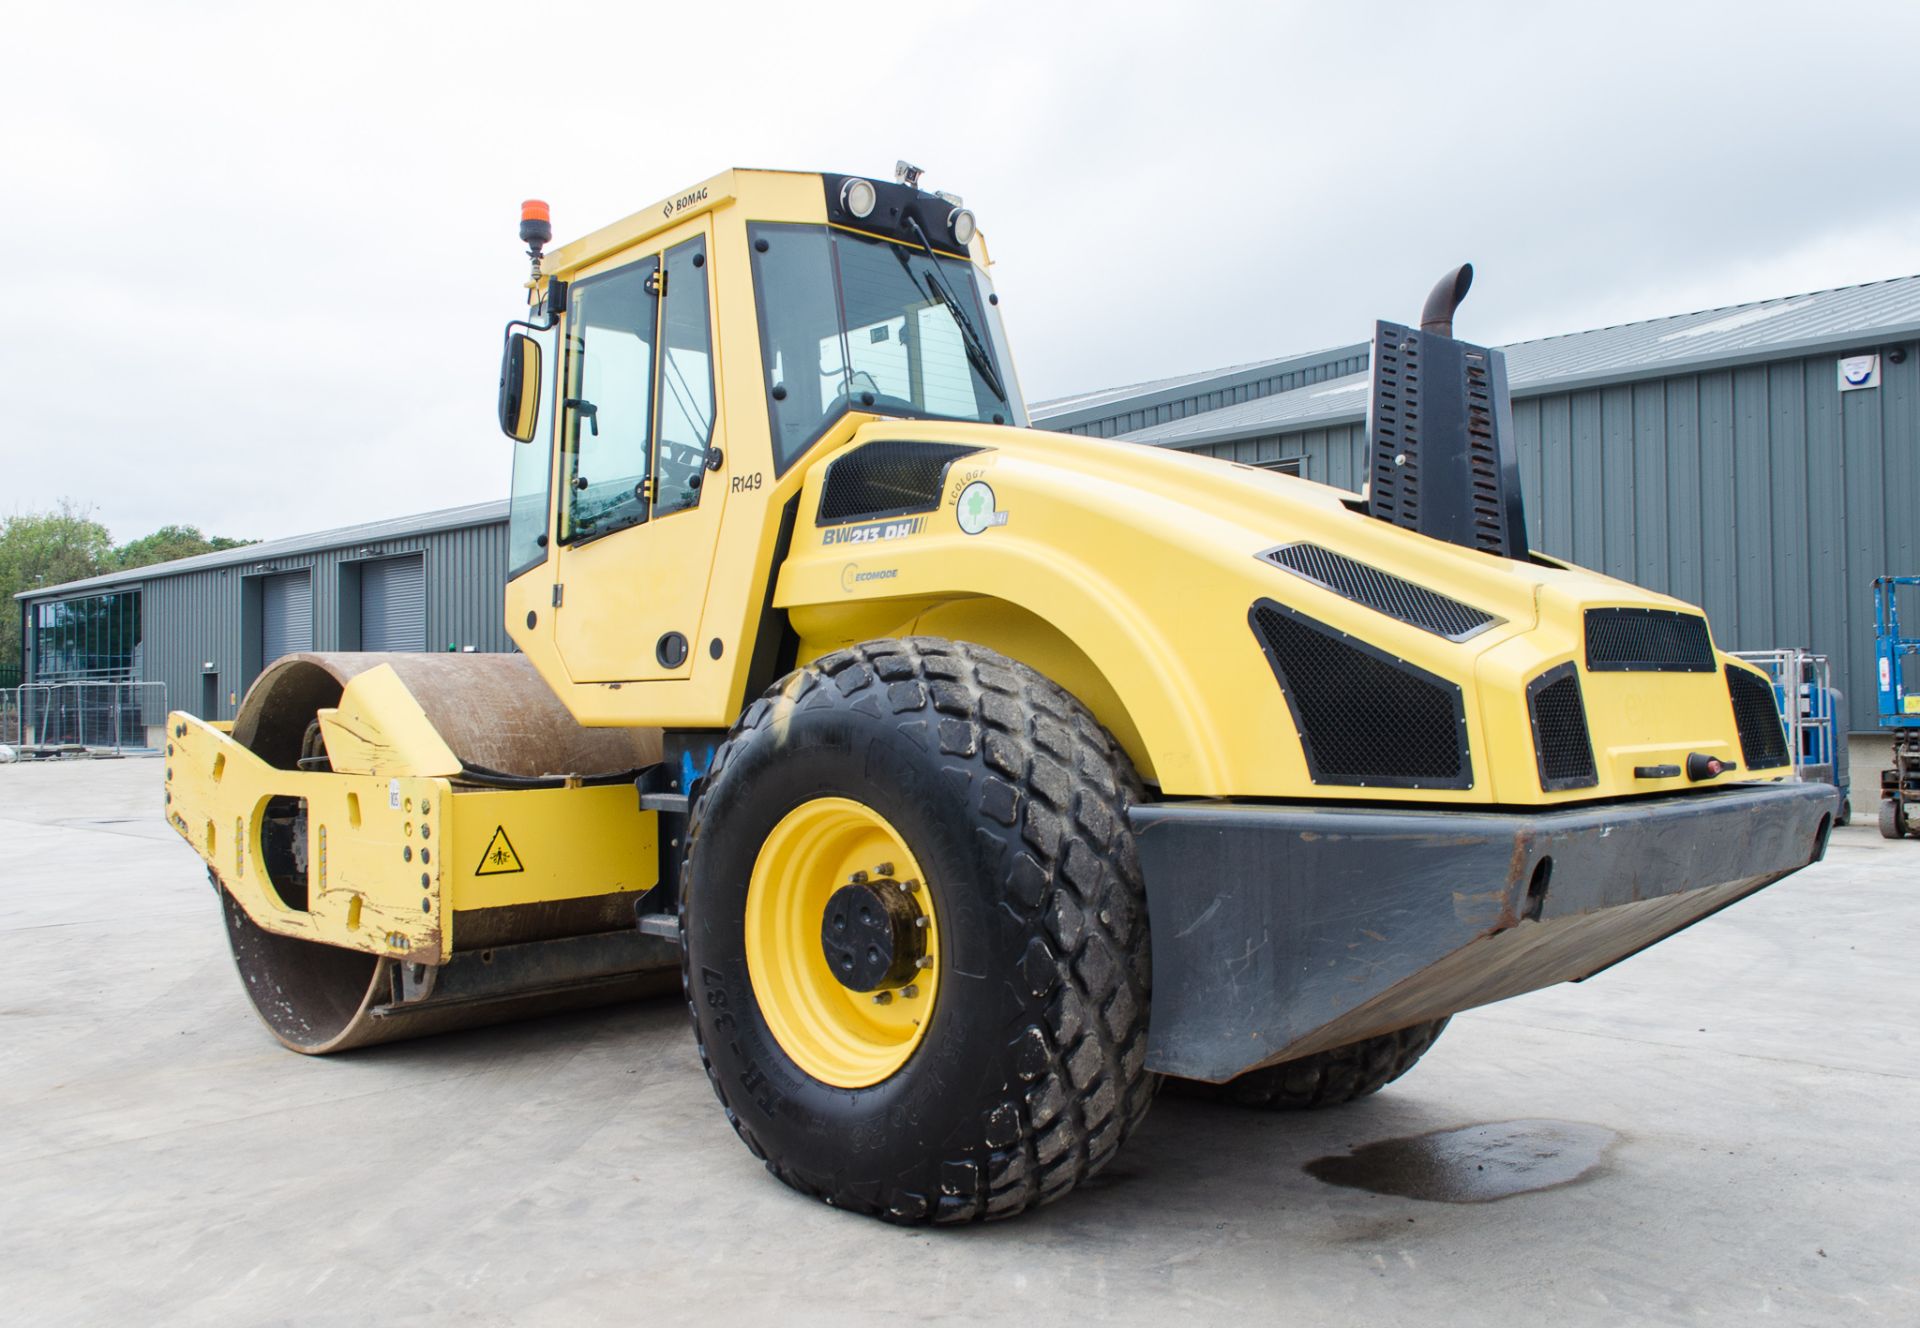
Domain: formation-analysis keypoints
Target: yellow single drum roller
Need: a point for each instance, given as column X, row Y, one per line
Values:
column 385, row 831
column 980, row 777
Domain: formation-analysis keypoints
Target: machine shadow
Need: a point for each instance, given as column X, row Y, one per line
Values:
column 1194, row 1164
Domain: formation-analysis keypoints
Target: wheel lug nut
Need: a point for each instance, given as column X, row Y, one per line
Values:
column 920, row 922
column 858, row 878
column 911, row 887
column 924, row 961
column 884, row 869
column 883, row 998
column 909, row 991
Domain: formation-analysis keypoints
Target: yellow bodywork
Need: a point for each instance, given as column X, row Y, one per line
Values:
column 397, row 852
column 1125, row 573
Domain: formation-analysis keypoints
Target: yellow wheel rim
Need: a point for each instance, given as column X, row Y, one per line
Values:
column 841, row 1037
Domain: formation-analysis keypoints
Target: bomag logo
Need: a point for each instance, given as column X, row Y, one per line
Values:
column 685, row 201
column 874, row 531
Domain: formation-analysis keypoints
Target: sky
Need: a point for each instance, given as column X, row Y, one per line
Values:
column 261, row 254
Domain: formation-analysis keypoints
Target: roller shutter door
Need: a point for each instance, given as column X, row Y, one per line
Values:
column 393, row 604
column 286, row 615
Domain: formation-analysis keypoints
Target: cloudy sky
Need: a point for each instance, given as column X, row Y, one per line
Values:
column 260, row 254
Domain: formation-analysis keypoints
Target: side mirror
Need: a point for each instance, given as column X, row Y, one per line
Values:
column 520, row 387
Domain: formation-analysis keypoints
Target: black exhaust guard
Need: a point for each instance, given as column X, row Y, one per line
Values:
column 1440, row 431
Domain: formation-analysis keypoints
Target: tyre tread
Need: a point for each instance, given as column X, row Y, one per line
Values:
column 1037, row 763
column 1328, row 1078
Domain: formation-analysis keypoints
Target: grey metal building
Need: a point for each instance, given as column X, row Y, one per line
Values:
column 206, row 626
column 1719, row 456
column 1716, row 456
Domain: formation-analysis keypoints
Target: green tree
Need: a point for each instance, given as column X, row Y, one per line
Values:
column 67, row 544
column 44, row 549
column 168, row 543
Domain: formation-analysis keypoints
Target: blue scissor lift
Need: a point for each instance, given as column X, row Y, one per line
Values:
column 1897, row 659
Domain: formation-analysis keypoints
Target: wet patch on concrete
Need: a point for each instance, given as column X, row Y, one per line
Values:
column 1472, row 1164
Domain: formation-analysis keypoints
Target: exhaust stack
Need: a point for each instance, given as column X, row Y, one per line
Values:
column 1445, row 297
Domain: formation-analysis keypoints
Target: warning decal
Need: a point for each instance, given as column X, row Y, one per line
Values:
column 499, row 859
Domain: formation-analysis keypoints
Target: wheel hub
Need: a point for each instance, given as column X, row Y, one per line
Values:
column 874, row 934
column 842, row 933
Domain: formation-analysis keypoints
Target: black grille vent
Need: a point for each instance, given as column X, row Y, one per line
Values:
column 1647, row 641
column 1365, row 718
column 1561, row 744
column 887, row 479
column 1382, row 591
column 1763, row 740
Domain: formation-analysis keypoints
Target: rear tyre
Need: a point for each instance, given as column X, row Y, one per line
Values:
column 1327, row 1078
column 1023, row 1068
column 1845, row 814
column 1893, row 820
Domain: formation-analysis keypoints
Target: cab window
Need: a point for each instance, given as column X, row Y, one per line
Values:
column 686, row 380
column 855, row 322
column 532, row 469
column 607, row 412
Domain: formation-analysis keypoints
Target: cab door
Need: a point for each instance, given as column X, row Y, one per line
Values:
column 639, row 515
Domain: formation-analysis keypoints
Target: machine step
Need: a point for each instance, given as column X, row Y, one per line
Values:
column 664, row 925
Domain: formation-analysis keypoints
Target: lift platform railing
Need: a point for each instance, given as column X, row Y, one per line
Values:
column 1809, row 708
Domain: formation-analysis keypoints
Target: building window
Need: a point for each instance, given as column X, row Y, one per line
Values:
column 1285, row 465
column 93, row 638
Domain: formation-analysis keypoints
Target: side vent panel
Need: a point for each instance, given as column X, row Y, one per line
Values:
column 1382, row 591
column 1763, row 740
column 1393, row 427
column 883, row 479
column 1364, row 717
column 1647, row 641
column 1561, row 744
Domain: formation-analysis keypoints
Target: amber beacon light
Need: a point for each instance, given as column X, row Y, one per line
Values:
column 536, row 230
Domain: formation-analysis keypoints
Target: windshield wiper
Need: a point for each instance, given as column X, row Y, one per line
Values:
column 970, row 341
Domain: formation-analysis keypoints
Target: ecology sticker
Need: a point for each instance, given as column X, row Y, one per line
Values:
column 976, row 511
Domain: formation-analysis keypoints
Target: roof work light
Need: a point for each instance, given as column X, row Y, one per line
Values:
column 857, row 197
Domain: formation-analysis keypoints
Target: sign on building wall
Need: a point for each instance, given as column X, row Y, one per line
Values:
column 1858, row 371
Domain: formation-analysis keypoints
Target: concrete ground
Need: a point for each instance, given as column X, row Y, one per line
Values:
column 1754, row 1084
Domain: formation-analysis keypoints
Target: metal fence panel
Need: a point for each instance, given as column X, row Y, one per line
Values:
column 84, row 716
